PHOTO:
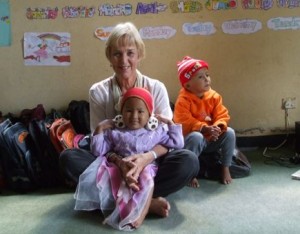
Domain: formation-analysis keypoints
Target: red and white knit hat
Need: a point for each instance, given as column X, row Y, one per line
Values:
column 140, row 93
column 188, row 67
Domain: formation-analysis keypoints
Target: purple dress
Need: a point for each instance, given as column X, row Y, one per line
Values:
column 101, row 185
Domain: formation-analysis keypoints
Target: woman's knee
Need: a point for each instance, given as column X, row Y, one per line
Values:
column 189, row 162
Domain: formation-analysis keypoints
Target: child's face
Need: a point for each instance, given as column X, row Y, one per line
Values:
column 199, row 83
column 135, row 113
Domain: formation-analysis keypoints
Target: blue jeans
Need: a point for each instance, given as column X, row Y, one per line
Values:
column 197, row 143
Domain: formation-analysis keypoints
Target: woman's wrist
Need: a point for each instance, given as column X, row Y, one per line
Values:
column 154, row 155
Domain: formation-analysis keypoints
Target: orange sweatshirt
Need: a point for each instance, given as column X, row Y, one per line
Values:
column 194, row 112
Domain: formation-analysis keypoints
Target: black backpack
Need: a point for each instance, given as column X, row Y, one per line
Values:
column 21, row 168
column 78, row 113
column 46, row 154
column 210, row 165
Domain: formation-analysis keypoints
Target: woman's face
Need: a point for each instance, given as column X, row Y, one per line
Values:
column 135, row 113
column 124, row 59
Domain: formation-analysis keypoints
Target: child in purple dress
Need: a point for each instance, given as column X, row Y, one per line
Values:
column 110, row 183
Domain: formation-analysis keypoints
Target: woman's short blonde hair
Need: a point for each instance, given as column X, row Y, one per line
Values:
column 125, row 34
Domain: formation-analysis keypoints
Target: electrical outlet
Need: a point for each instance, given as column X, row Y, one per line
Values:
column 288, row 103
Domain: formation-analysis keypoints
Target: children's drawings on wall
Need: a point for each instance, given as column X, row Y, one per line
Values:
column 257, row 4
column 288, row 3
column 42, row 13
column 102, row 33
column 185, row 6
column 118, row 10
column 5, row 25
column 162, row 32
column 284, row 23
column 244, row 26
column 199, row 28
column 150, row 8
column 220, row 4
column 78, row 12
column 47, row 49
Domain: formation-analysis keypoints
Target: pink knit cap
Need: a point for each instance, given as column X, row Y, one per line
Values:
column 188, row 67
column 140, row 93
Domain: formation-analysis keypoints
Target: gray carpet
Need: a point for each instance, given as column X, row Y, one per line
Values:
column 268, row 201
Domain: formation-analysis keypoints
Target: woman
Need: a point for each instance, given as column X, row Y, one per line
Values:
column 124, row 50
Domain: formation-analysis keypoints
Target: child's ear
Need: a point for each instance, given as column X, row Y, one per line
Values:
column 187, row 86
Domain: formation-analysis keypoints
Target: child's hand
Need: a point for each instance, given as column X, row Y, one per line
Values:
column 125, row 167
column 103, row 125
column 164, row 119
column 211, row 132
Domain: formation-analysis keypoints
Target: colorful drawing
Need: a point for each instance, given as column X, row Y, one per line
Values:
column 284, row 23
column 150, row 8
column 118, row 10
column 102, row 33
column 5, row 25
column 185, row 6
column 42, row 13
column 162, row 32
column 260, row 4
column 221, row 4
column 199, row 28
column 288, row 3
column 242, row 26
column 78, row 12
column 47, row 49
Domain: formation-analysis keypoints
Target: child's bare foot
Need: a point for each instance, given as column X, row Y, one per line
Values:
column 137, row 223
column 226, row 177
column 160, row 206
column 194, row 183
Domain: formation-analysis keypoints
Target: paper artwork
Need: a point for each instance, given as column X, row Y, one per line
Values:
column 284, row 23
column 258, row 5
column 243, row 26
column 78, row 12
column 102, row 33
column 220, row 4
column 47, row 49
column 118, row 10
column 42, row 13
column 199, row 28
column 185, row 6
column 150, row 8
column 161, row 32
column 5, row 24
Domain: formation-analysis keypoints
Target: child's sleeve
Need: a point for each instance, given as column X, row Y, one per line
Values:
column 101, row 143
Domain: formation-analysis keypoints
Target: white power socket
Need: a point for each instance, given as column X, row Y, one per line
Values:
column 288, row 103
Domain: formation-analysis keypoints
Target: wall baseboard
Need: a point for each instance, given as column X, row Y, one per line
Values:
column 265, row 141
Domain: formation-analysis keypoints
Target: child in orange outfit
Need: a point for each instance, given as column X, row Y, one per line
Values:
column 203, row 116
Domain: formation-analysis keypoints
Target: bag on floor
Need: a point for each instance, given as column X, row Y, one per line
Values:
column 5, row 123
column 27, row 115
column 210, row 165
column 47, row 155
column 21, row 168
column 62, row 134
column 79, row 114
